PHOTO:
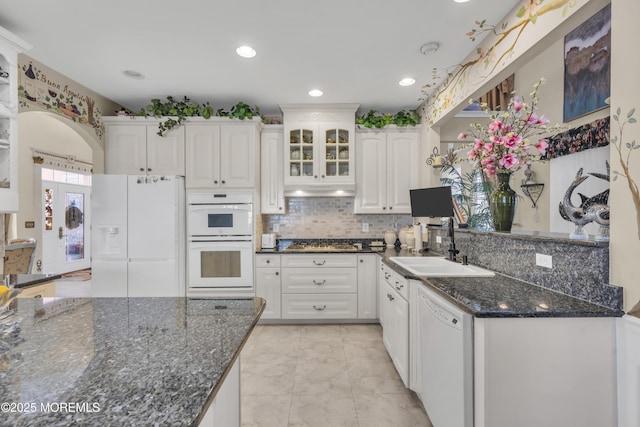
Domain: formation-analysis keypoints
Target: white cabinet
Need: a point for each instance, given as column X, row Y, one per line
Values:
column 271, row 170
column 221, row 154
column 319, row 146
column 10, row 47
column 367, row 286
column 387, row 167
column 268, row 284
column 395, row 332
column 133, row 146
column 319, row 286
column 224, row 411
column 544, row 371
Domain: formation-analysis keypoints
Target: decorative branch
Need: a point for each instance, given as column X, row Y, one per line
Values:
column 527, row 14
column 617, row 141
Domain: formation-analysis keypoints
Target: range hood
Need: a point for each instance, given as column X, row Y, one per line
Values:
column 320, row 191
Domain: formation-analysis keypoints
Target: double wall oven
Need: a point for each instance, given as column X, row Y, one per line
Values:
column 221, row 248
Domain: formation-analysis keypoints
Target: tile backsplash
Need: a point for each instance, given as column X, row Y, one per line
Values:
column 330, row 218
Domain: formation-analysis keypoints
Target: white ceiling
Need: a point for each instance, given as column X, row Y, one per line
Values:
column 355, row 51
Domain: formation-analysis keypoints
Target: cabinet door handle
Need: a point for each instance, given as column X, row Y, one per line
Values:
column 322, row 176
column 280, row 208
column 319, row 263
column 319, row 308
column 315, row 176
column 224, row 182
column 215, row 181
column 361, row 261
column 148, row 169
column 141, row 169
column 277, row 273
column 268, row 261
column 384, row 208
column 399, row 286
column 390, row 297
column 315, row 282
column 390, row 207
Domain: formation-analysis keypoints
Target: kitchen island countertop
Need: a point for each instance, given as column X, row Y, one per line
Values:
column 119, row 361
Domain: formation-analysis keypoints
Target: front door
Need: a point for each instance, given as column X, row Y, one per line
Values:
column 66, row 235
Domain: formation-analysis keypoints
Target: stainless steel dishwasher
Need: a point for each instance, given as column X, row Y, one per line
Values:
column 446, row 341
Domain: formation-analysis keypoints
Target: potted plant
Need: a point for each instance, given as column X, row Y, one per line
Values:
column 402, row 118
column 174, row 112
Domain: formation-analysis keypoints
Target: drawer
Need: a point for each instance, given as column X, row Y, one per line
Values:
column 319, row 280
column 267, row 260
column 398, row 282
column 319, row 260
column 319, row 306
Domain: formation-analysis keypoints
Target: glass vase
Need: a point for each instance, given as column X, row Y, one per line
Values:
column 503, row 204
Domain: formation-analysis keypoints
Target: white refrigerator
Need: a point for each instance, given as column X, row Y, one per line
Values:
column 138, row 236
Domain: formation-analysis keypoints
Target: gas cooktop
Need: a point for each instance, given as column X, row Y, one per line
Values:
column 321, row 247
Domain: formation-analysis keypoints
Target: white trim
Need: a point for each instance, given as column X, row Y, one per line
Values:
column 628, row 337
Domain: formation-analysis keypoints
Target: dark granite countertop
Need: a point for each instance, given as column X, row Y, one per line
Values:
column 132, row 361
column 503, row 296
column 26, row 280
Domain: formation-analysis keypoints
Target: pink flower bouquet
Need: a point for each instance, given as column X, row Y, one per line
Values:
column 504, row 145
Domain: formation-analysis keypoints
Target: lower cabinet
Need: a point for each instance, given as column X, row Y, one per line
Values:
column 395, row 333
column 267, row 283
column 368, row 286
column 318, row 286
column 225, row 408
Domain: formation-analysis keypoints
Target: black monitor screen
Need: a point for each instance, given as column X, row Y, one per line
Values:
column 431, row 202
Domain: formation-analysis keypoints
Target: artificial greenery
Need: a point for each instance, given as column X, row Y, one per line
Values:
column 175, row 112
column 374, row 119
column 466, row 188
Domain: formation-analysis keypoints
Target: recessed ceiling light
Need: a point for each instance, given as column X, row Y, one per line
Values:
column 407, row 81
column 315, row 92
column 133, row 74
column 460, row 1
column 246, row 51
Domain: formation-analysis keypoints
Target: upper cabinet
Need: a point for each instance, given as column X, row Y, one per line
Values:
column 387, row 167
column 213, row 153
column 133, row 146
column 271, row 182
column 10, row 47
column 319, row 145
column 221, row 153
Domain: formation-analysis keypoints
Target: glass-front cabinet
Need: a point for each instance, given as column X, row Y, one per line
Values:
column 319, row 149
column 10, row 46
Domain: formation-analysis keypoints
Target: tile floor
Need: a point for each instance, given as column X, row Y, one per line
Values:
column 324, row 376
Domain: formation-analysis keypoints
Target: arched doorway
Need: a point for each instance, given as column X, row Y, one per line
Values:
column 54, row 153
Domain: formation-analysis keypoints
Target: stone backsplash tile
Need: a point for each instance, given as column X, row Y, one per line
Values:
column 579, row 270
column 329, row 218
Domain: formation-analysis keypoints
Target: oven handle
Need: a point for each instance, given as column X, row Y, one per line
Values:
column 197, row 207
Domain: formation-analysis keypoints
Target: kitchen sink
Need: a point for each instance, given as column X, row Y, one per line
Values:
column 439, row 267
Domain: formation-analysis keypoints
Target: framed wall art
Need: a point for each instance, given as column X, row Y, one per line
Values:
column 587, row 65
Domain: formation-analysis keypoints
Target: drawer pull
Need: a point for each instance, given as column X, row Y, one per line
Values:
column 315, row 282
column 399, row 286
column 390, row 297
column 319, row 263
column 320, row 308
